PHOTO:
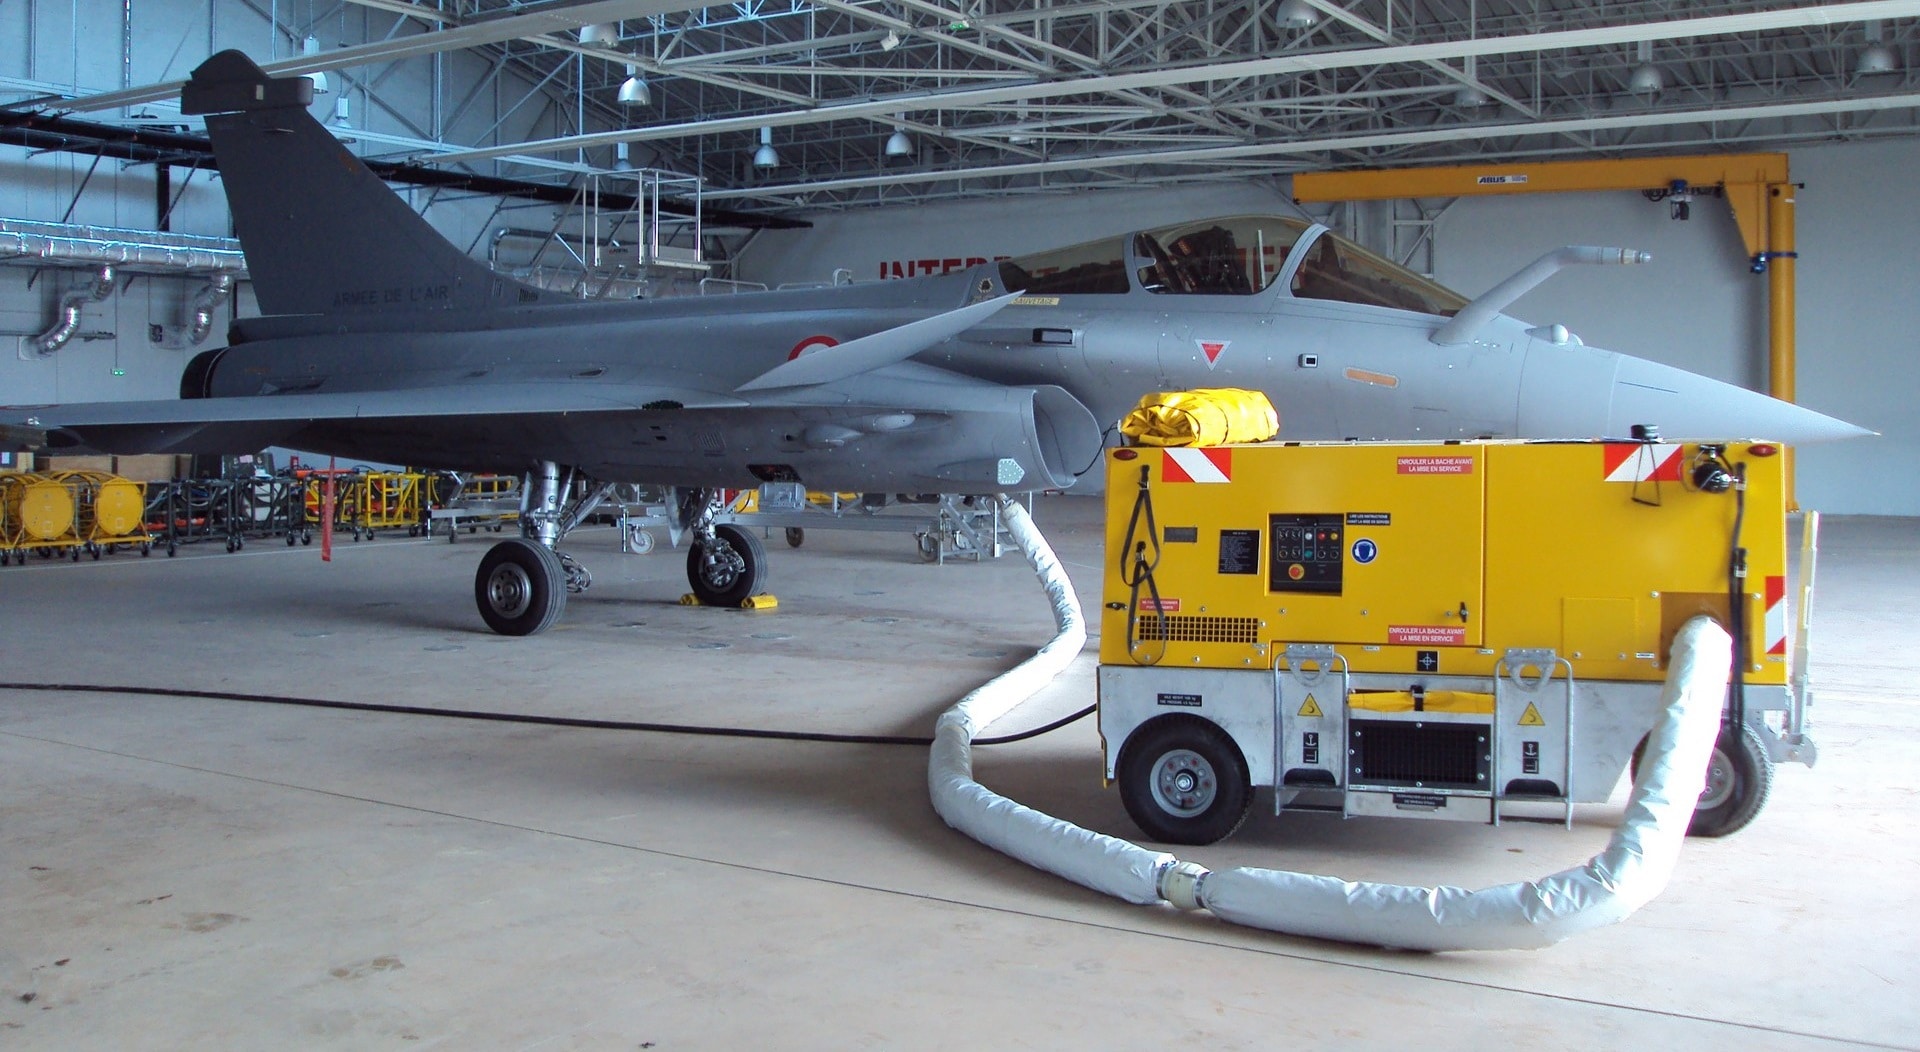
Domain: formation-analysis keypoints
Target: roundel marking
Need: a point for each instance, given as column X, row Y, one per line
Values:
column 811, row 343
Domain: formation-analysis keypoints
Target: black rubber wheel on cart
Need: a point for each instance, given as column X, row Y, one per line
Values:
column 796, row 536
column 1183, row 781
column 729, row 570
column 520, row 587
column 1739, row 780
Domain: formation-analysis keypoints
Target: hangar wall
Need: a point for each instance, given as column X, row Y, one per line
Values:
column 1696, row 306
column 114, row 357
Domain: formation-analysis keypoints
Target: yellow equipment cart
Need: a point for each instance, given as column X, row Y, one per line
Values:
column 1434, row 630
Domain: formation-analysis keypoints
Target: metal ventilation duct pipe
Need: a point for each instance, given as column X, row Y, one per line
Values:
column 68, row 322
column 25, row 242
column 201, row 309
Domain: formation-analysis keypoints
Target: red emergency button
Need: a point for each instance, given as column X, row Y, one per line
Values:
column 1296, row 571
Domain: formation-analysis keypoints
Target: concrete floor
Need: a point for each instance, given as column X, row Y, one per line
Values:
column 179, row 872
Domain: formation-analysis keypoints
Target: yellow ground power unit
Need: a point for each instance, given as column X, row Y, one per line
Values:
column 1435, row 630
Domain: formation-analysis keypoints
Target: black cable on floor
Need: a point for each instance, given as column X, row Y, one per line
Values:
column 545, row 721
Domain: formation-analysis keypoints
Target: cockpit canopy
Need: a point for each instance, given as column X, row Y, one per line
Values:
column 1236, row 256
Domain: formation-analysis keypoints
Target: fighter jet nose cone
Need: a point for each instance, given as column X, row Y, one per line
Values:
column 1687, row 406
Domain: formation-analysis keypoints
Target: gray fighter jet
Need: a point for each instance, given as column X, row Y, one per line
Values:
column 381, row 341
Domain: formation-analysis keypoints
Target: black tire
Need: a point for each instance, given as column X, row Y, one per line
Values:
column 1739, row 780
column 292, row 539
column 1183, row 781
column 796, row 536
column 731, row 570
column 520, row 587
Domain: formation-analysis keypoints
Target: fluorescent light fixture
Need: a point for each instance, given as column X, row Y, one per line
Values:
column 1877, row 57
column 1296, row 15
column 634, row 90
column 311, row 47
column 1646, row 78
column 1470, row 96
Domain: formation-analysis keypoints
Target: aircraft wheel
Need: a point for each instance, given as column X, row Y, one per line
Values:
column 1183, row 781
column 729, row 570
column 796, row 536
column 520, row 587
column 1739, row 779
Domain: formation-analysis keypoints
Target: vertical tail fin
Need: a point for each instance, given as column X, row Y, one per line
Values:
column 322, row 233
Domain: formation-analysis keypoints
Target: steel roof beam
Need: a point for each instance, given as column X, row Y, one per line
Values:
column 492, row 29
column 1208, row 155
column 1026, row 89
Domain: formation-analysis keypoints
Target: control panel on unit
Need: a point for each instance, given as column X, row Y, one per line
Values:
column 1306, row 553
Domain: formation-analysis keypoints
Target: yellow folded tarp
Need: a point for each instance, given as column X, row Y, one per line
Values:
column 1211, row 417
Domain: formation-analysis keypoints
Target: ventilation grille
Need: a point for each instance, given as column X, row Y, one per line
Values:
column 1426, row 755
column 1180, row 628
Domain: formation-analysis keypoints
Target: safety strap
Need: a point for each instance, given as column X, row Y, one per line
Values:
column 1138, row 573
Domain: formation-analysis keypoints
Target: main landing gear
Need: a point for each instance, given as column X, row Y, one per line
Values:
column 523, row 583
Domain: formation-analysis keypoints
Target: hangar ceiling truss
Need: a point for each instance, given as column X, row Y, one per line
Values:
column 1001, row 97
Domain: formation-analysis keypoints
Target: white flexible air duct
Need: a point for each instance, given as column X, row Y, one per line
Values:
column 1100, row 862
column 1630, row 871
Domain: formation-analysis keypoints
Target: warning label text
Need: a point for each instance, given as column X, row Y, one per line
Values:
column 1456, row 465
column 1426, row 635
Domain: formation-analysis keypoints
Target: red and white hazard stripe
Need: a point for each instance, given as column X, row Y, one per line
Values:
column 1776, row 618
column 1197, row 464
column 1641, row 462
